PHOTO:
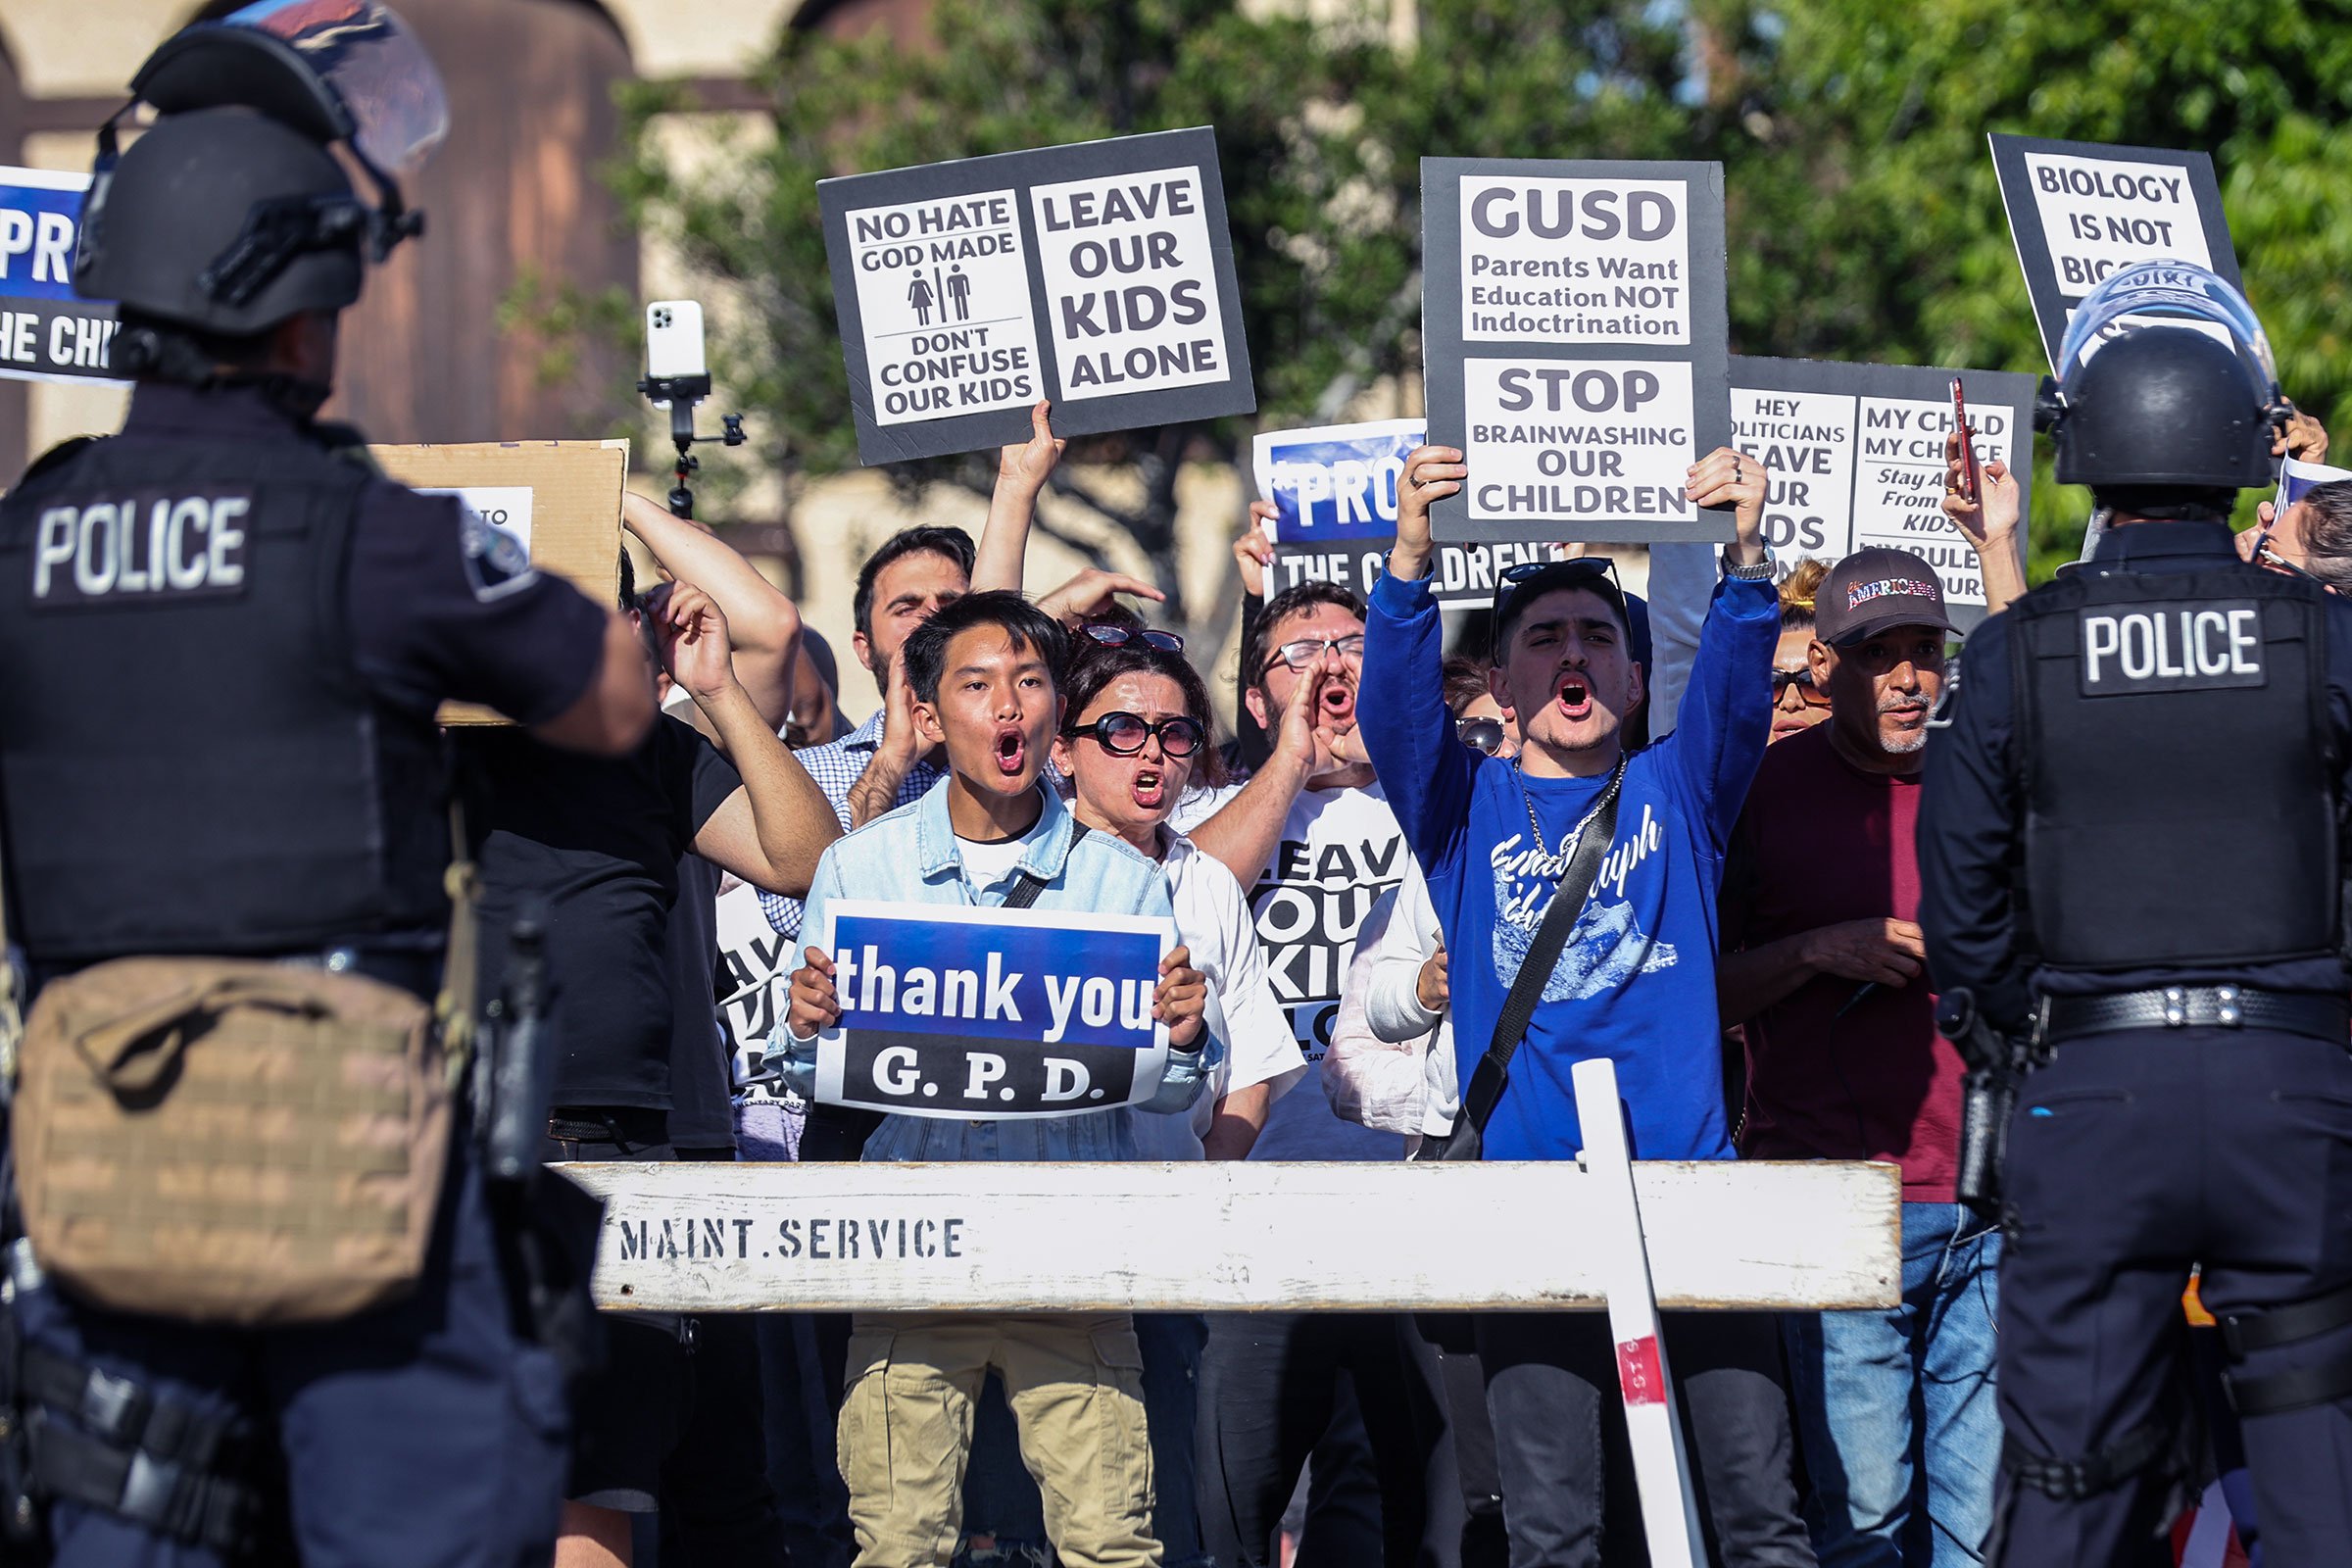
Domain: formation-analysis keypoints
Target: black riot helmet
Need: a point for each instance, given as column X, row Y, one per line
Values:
column 230, row 214
column 2165, row 383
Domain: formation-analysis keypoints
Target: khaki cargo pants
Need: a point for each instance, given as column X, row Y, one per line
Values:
column 1075, row 1384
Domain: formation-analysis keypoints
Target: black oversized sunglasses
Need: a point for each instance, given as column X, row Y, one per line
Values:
column 1124, row 734
column 1110, row 634
column 1482, row 735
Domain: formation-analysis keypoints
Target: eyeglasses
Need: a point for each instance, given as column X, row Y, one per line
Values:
column 1482, row 735
column 1306, row 650
column 1112, row 635
column 1585, row 572
column 2264, row 553
column 1124, row 734
column 1802, row 681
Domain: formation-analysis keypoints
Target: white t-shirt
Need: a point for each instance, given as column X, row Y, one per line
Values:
column 985, row 864
column 1338, row 851
column 1213, row 921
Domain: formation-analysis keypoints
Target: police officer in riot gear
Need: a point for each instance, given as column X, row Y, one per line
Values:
column 2131, row 857
column 225, row 638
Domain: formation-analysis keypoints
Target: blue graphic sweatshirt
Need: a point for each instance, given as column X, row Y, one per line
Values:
column 1636, row 982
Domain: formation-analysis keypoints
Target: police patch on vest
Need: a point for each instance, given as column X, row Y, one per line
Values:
column 2180, row 645
column 147, row 546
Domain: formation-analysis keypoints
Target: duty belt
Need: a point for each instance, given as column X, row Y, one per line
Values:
column 2294, row 1012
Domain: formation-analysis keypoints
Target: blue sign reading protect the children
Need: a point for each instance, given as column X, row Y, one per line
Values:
column 1335, row 490
column 47, row 331
column 977, row 1013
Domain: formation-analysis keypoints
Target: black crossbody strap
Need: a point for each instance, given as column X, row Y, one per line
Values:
column 1551, row 935
column 1024, row 892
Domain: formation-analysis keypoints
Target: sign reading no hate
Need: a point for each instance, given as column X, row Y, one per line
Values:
column 1098, row 275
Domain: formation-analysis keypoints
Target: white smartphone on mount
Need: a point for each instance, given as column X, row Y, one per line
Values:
column 673, row 339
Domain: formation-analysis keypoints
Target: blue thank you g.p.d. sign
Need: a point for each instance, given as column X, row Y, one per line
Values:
column 47, row 331
column 986, row 1013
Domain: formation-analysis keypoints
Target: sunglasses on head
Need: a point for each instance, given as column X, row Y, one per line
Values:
column 1482, row 735
column 1112, row 635
column 1124, row 734
column 1585, row 572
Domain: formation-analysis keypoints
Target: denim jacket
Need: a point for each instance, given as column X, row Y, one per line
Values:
column 910, row 857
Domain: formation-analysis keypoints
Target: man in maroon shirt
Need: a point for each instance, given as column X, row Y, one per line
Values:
column 1824, row 964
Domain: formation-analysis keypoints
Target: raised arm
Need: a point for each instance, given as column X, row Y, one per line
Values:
column 1990, row 525
column 1021, row 474
column 772, row 830
column 763, row 626
column 1726, row 712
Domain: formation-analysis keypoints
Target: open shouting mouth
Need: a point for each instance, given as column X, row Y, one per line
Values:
column 1575, row 699
column 1011, row 747
column 1149, row 787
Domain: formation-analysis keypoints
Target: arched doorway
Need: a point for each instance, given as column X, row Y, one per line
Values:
column 515, row 193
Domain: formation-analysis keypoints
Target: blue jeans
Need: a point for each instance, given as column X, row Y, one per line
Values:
column 1895, row 1409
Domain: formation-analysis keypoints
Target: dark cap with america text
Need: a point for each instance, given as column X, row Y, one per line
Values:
column 1872, row 591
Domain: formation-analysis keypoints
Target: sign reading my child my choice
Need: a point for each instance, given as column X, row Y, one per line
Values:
column 2080, row 209
column 1856, row 453
column 1100, row 276
column 1573, row 316
column 981, row 1014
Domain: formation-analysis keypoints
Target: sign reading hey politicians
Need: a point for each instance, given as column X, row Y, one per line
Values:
column 1333, row 490
column 1856, row 453
column 1574, row 328
column 1100, row 276
column 2080, row 209
column 977, row 1013
column 47, row 331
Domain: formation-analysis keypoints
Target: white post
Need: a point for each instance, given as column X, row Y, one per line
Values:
column 1661, row 1469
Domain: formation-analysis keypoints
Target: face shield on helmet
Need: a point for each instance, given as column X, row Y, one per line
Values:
column 329, row 71
column 2167, row 395
column 2162, row 293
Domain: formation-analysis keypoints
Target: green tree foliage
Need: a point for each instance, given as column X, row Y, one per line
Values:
column 1865, row 221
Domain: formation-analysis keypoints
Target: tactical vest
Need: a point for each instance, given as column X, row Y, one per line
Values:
column 2176, row 767
column 189, row 763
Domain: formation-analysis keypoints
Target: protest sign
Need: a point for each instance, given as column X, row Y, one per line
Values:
column 1333, row 488
column 1856, row 453
column 976, row 1013
column 558, row 501
column 2297, row 478
column 1572, row 316
column 1097, row 274
column 47, row 331
column 2080, row 209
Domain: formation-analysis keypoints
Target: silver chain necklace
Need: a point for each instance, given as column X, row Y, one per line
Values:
column 1576, row 833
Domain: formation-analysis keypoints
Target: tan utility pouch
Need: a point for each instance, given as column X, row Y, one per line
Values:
column 227, row 1141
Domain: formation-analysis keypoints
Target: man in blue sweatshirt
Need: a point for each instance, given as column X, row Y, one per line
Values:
column 1636, row 982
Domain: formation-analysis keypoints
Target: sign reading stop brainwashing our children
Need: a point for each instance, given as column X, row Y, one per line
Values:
column 47, row 331
column 1574, row 328
column 979, row 1014
column 2080, row 209
column 1856, row 454
column 1100, row 276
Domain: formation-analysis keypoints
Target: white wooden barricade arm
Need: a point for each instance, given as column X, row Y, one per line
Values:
column 703, row 1236
column 1644, row 1376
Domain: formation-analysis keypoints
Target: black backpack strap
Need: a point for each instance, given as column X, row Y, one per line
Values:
column 1527, row 987
column 1024, row 892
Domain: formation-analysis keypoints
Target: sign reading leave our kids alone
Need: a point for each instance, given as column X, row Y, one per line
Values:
column 1098, row 275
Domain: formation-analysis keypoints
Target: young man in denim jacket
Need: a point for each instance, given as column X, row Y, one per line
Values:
column 985, row 673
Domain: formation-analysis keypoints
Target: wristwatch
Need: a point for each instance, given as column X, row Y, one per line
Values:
column 1761, row 571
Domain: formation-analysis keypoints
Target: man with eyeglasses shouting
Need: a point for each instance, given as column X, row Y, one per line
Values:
column 1634, row 981
column 1313, row 840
